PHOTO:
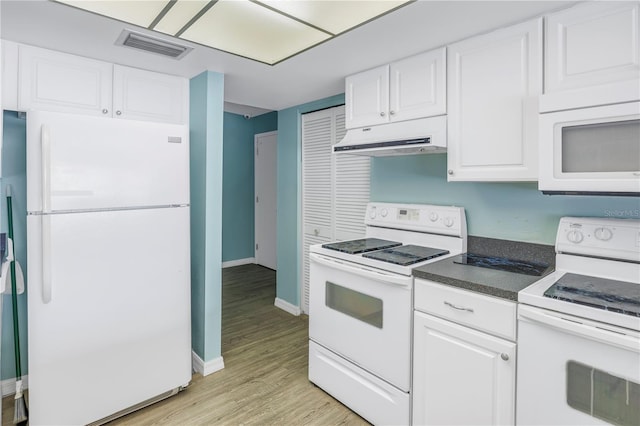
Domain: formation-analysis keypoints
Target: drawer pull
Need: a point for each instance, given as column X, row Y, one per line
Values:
column 459, row 308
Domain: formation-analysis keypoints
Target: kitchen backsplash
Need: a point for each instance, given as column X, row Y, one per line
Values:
column 511, row 211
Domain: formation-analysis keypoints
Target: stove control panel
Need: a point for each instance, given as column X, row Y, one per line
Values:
column 599, row 237
column 444, row 220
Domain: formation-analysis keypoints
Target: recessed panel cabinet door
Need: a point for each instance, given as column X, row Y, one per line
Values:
column 367, row 98
column 54, row 81
column 418, row 86
column 461, row 376
column 494, row 81
column 149, row 96
column 592, row 44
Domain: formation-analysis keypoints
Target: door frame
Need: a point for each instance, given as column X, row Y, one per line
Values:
column 256, row 138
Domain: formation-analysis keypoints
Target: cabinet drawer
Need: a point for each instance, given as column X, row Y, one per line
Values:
column 485, row 313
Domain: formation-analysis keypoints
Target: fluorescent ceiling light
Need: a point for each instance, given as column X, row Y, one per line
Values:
column 267, row 31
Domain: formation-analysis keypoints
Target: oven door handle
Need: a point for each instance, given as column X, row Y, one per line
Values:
column 579, row 329
column 384, row 277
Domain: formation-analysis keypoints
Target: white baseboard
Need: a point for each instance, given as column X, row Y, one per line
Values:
column 286, row 306
column 9, row 385
column 206, row 368
column 238, row 262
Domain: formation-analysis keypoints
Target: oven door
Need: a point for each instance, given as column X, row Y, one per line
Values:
column 594, row 150
column 572, row 371
column 364, row 315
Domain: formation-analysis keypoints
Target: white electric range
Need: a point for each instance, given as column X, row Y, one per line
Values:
column 361, row 304
column 579, row 329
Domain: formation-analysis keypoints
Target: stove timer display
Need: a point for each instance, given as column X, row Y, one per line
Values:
column 408, row 214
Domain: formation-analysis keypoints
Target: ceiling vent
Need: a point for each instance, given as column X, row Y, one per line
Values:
column 152, row 45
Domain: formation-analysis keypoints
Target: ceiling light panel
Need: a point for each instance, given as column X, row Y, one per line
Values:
column 140, row 13
column 179, row 15
column 334, row 16
column 248, row 29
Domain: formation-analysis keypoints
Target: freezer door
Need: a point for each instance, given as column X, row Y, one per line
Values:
column 77, row 162
column 116, row 330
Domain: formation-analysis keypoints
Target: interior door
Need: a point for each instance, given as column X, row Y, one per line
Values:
column 266, row 149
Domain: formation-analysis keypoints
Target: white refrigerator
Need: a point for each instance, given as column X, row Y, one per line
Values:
column 108, row 272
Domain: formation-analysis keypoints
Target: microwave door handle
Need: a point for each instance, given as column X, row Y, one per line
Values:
column 362, row 271
column 557, row 322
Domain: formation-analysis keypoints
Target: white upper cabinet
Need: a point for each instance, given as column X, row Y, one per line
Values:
column 593, row 46
column 494, row 81
column 146, row 95
column 411, row 88
column 55, row 81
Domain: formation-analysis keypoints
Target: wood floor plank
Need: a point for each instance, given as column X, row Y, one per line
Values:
column 264, row 381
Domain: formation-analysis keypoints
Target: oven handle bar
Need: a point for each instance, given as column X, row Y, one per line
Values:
column 380, row 276
column 579, row 329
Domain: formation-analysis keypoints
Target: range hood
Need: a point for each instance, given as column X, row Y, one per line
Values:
column 420, row 136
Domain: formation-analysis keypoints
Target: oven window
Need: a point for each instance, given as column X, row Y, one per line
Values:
column 603, row 395
column 601, row 148
column 355, row 304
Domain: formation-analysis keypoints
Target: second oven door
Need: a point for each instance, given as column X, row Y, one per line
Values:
column 364, row 315
column 575, row 372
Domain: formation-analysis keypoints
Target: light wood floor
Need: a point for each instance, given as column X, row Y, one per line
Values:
column 264, row 381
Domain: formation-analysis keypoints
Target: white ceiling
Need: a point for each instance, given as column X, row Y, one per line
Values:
column 311, row 75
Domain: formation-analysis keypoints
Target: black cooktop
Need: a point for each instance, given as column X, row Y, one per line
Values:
column 503, row 264
column 406, row 255
column 611, row 295
column 361, row 246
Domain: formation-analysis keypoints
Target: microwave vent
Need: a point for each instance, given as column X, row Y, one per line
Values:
column 152, row 44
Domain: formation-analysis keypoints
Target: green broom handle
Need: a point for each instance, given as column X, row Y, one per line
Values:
column 14, row 294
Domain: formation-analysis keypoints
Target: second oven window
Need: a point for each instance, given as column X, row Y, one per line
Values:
column 355, row 304
column 603, row 395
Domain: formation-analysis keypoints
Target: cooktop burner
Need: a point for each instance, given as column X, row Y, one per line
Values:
column 361, row 246
column 611, row 295
column 406, row 255
column 502, row 264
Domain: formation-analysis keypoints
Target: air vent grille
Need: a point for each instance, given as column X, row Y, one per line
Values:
column 151, row 44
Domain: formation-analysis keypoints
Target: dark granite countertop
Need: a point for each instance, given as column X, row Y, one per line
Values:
column 502, row 284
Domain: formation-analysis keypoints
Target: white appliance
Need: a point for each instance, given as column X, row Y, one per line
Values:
column 579, row 329
column 108, row 265
column 361, row 305
column 419, row 136
column 591, row 150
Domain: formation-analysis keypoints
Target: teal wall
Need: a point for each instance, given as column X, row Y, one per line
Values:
column 14, row 164
column 508, row 211
column 238, row 182
column 206, row 138
column 289, row 196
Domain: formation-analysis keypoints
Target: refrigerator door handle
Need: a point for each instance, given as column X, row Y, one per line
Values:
column 46, row 168
column 46, row 259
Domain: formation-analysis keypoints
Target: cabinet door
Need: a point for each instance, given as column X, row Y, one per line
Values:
column 53, row 81
column 367, row 98
column 9, row 75
column 493, row 86
column 418, row 86
column 593, row 44
column 149, row 96
column 461, row 376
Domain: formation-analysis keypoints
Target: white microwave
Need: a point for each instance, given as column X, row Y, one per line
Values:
column 591, row 150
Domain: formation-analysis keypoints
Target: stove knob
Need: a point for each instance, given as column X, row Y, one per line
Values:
column 575, row 236
column 433, row 216
column 372, row 213
column 384, row 212
column 448, row 222
column 603, row 234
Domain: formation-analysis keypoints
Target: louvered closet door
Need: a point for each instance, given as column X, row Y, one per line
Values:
column 335, row 188
column 351, row 188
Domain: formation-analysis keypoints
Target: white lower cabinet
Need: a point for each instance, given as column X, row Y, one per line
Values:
column 461, row 376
